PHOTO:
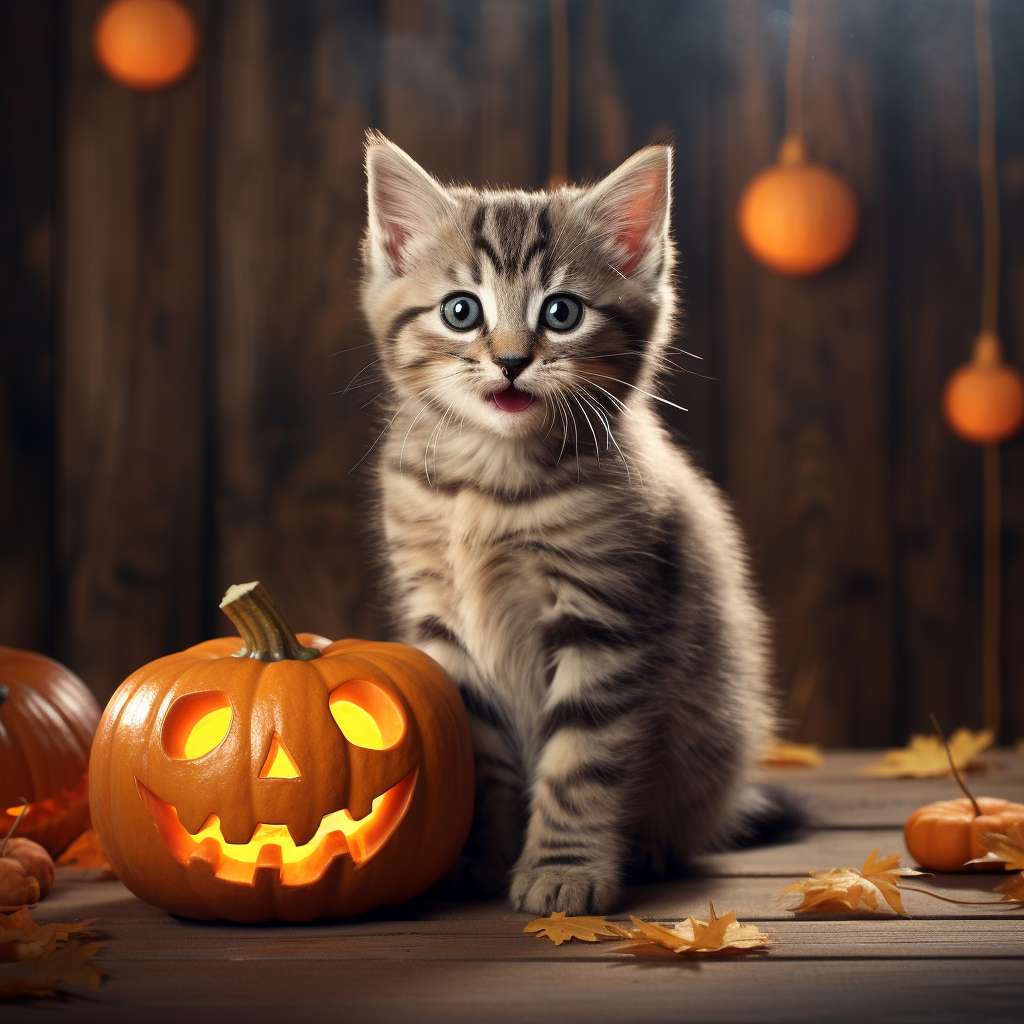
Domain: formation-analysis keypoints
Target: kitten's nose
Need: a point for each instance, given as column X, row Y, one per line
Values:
column 512, row 366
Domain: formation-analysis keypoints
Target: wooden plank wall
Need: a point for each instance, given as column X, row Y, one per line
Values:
column 171, row 416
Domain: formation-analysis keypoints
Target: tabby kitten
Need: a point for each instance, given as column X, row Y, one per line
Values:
column 581, row 581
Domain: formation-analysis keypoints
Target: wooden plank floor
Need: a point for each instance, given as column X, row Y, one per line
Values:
column 452, row 962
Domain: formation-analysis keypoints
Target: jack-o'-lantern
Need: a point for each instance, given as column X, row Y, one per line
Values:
column 47, row 721
column 282, row 777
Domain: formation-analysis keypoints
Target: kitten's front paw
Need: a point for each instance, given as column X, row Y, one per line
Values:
column 572, row 890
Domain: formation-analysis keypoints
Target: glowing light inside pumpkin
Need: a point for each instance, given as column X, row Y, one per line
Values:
column 15, row 811
column 367, row 715
column 279, row 763
column 208, row 733
column 357, row 725
column 272, row 846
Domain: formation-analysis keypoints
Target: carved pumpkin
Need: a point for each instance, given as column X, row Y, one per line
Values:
column 944, row 836
column 282, row 777
column 146, row 44
column 797, row 217
column 47, row 721
column 984, row 399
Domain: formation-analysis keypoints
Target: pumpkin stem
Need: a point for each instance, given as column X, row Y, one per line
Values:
column 262, row 626
column 952, row 765
column 17, row 822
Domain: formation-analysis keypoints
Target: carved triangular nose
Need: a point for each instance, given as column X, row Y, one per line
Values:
column 279, row 763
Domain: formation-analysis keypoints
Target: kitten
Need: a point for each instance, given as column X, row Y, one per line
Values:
column 584, row 585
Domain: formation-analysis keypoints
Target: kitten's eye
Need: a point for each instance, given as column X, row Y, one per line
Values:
column 561, row 312
column 462, row 312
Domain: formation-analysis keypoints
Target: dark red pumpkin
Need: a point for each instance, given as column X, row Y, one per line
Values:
column 47, row 721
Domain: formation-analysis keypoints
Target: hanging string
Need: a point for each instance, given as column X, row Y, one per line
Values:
column 795, row 59
column 987, row 166
column 559, row 94
column 992, row 697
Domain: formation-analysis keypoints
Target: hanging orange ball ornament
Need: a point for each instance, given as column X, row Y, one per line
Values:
column 984, row 399
column 146, row 44
column 797, row 217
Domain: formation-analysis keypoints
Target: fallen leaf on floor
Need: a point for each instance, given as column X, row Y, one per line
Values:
column 1013, row 888
column 85, row 853
column 925, row 757
column 843, row 890
column 55, row 952
column 559, row 928
column 695, row 937
column 783, row 754
column 1007, row 850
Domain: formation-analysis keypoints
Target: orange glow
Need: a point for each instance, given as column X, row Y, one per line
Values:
column 367, row 715
column 196, row 724
column 357, row 725
column 15, row 811
column 272, row 846
column 207, row 733
column 279, row 763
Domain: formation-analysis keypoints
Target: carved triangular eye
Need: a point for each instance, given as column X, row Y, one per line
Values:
column 279, row 763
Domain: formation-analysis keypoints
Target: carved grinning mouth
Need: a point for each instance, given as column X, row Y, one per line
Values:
column 272, row 847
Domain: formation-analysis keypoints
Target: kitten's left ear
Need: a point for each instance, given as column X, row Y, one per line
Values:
column 633, row 205
column 405, row 203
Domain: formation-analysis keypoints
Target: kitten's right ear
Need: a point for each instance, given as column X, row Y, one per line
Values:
column 405, row 203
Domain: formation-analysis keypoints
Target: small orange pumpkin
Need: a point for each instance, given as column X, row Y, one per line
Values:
column 944, row 836
column 282, row 777
column 47, row 721
column 798, row 218
column 146, row 44
column 983, row 400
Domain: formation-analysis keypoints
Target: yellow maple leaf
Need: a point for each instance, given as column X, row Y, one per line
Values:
column 924, row 757
column 716, row 935
column 85, row 853
column 842, row 890
column 559, row 928
column 1013, row 888
column 1007, row 850
column 783, row 754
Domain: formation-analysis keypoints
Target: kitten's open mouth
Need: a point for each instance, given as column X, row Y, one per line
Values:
column 511, row 399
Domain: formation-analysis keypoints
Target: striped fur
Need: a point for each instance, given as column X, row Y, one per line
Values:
column 580, row 580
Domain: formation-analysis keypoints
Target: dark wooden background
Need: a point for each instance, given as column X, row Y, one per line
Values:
column 178, row 308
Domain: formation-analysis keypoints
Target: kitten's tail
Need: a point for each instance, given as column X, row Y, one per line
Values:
column 764, row 814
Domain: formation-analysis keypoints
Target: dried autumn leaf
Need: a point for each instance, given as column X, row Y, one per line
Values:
column 692, row 937
column 54, row 951
column 85, row 853
column 70, row 964
column 1013, row 888
column 783, row 754
column 1005, row 849
column 842, row 890
column 559, row 928
column 925, row 757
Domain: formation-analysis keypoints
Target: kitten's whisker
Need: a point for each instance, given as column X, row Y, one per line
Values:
column 641, row 390
column 354, row 348
column 607, row 426
column 356, row 377
column 615, row 398
column 597, row 445
column 619, row 272
column 401, row 454
column 387, row 427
